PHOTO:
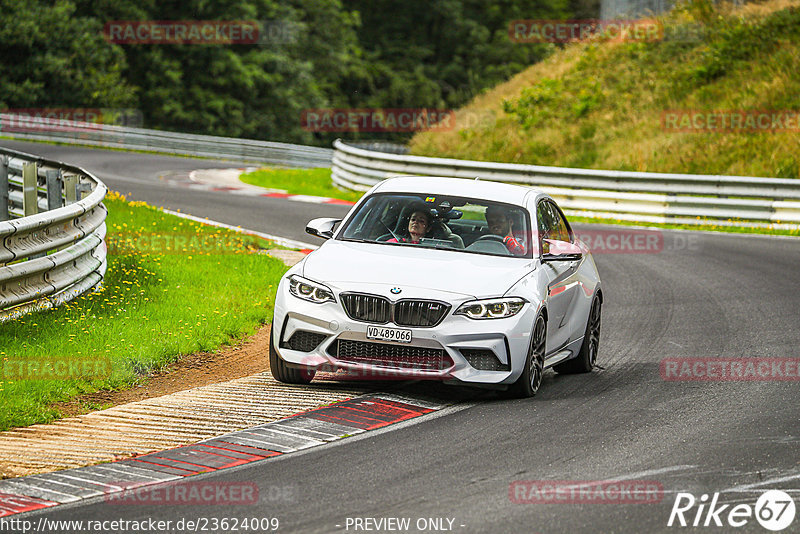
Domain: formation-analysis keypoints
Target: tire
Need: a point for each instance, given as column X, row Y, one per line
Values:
column 531, row 378
column 281, row 371
column 585, row 361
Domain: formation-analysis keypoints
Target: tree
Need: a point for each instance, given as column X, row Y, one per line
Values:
column 51, row 58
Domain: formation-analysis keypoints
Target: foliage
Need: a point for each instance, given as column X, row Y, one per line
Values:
column 603, row 104
column 343, row 53
column 51, row 58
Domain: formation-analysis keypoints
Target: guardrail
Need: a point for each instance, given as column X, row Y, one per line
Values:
column 87, row 133
column 622, row 195
column 52, row 230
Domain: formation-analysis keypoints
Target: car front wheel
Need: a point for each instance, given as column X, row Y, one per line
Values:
column 281, row 371
column 531, row 378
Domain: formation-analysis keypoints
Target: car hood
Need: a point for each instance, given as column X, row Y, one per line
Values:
column 349, row 265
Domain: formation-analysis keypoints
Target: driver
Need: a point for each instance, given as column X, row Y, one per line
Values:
column 419, row 224
column 500, row 223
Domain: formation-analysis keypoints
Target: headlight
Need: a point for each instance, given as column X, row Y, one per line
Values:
column 311, row 291
column 491, row 308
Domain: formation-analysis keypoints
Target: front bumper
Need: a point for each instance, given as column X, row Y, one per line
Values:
column 455, row 339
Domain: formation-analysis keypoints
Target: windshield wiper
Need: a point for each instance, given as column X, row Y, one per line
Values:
column 437, row 246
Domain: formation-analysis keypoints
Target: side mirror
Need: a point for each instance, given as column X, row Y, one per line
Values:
column 554, row 250
column 322, row 227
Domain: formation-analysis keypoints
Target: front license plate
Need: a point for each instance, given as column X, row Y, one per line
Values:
column 383, row 333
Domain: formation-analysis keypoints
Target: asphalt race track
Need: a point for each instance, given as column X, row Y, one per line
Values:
column 697, row 295
column 143, row 175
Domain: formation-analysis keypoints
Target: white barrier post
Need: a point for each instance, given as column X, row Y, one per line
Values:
column 3, row 188
column 70, row 189
column 54, row 185
column 30, row 198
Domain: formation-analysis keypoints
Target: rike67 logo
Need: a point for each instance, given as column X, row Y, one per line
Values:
column 774, row 510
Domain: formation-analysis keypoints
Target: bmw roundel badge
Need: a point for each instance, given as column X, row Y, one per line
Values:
column 395, row 290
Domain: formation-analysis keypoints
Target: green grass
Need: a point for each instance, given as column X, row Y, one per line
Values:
column 600, row 105
column 316, row 182
column 157, row 303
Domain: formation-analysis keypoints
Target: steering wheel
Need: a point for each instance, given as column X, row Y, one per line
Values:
column 490, row 237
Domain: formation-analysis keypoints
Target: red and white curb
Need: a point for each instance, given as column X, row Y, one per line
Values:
column 302, row 431
column 246, row 191
column 227, row 181
column 309, row 198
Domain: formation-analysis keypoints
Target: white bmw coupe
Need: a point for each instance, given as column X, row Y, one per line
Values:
column 467, row 282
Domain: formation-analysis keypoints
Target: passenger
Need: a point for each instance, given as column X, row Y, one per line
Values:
column 419, row 224
column 501, row 224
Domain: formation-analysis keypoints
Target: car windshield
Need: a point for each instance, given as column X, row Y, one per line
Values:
column 443, row 222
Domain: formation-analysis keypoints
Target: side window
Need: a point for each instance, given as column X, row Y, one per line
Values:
column 560, row 230
column 544, row 222
column 566, row 224
column 541, row 218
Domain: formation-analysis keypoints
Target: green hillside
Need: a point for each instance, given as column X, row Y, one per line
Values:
column 603, row 105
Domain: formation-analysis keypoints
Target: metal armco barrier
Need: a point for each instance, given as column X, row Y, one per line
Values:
column 622, row 195
column 52, row 230
column 86, row 133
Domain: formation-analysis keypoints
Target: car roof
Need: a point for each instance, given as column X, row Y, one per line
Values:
column 435, row 185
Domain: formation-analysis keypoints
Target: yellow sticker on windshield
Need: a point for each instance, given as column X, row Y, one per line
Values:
column 430, row 199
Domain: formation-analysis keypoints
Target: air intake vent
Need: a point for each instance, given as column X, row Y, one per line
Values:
column 304, row 341
column 483, row 360
column 390, row 355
